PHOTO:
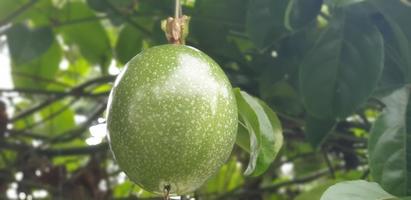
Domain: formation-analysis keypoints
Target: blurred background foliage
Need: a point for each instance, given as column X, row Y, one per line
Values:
column 328, row 54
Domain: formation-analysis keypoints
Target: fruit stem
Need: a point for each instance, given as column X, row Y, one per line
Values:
column 177, row 10
column 176, row 29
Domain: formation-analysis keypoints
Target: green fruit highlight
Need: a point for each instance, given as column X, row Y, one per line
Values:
column 172, row 119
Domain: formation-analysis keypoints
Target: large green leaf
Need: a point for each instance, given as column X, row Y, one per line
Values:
column 317, row 129
column 397, row 69
column 129, row 43
column 301, row 12
column 356, row 190
column 90, row 37
column 397, row 10
column 26, row 44
column 40, row 72
column 333, row 74
column 264, row 130
column 390, row 144
column 265, row 21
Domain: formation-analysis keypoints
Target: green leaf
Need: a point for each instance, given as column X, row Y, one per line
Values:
column 332, row 74
column 211, row 29
column 397, row 69
column 299, row 13
column 111, row 7
column 230, row 13
column 316, row 192
column 228, row 177
column 394, row 25
column 90, row 37
column 264, row 130
column 102, row 6
column 243, row 137
column 284, row 98
column 58, row 118
column 306, row 165
column 9, row 6
column 40, row 72
column 40, row 13
column 265, row 21
column 390, row 144
column 17, row 11
column 52, row 120
column 317, row 129
column 26, row 44
column 398, row 10
column 72, row 163
column 129, row 43
column 356, row 190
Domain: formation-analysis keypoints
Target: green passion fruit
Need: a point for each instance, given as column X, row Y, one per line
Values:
column 172, row 119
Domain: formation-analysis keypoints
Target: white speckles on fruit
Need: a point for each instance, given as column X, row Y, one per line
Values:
column 172, row 118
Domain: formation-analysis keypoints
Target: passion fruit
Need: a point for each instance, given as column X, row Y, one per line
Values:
column 172, row 119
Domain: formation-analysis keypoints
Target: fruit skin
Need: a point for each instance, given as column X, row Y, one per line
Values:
column 172, row 119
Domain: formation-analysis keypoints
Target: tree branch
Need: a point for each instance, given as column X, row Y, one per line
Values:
column 74, row 91
column 66, row 136
column 56, row 152
column 14, row 133
column 53, row 92
column 74, row 151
